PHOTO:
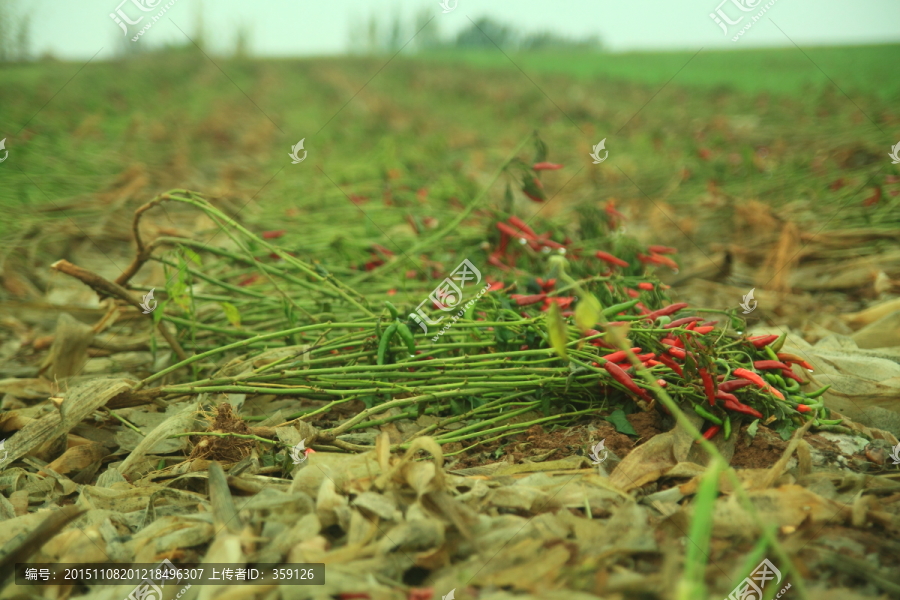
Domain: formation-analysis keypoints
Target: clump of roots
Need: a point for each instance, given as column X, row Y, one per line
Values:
column 226, row 449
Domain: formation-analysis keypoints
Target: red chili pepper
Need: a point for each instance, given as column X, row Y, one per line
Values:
column 708, row 386
column 682, row 321
column 271, row 235
column 803, row 408
column 652, row 363
column 618, row 323
column 646, row 286
column 691, row 326
column 546, row 286
column 646, row 357
column 658, row 259
column 769, row 364
column 662, row 383
column 663, row 250
column 632, row 293
column 642, row 309
column 790, row 375
column 494, row 259
column 522, row 300
column 622, row 377
column 672, row 342
column 671, row 364
column 563, row 302
column 704, row 330
column 761, row 341
column 734, row 384
column 677, row 352
column 546, row 166
column 794, row 359
column 775, row 392
column 609, row 258
column 665, row 311
column 618, row 356
column 736, row 406
column 745, row 374
column 521, row 225
column 513, row 232
column 710, row 433
column 758, row 381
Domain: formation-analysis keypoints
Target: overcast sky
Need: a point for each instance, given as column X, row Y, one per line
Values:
column 77, row 29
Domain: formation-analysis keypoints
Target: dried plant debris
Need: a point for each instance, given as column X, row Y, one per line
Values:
column 276, row 408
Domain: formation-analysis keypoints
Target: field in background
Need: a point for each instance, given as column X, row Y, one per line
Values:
column 414, row 138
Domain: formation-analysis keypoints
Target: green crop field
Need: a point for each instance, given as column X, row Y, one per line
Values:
column 422, row 133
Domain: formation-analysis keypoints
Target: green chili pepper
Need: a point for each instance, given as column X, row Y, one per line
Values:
column 386, row 341
column 776, row 380
column 707, row 415
column 818, row 393
column 777, row 344
column 407, row 336
column 664, row 320
column 791, row 385
column 771, row 353
column 617, row 308
column 727, row 428
column 393, row 310
column 832, row 422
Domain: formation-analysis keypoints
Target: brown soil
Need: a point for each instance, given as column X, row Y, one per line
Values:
column 766, row 449
column 536, row 443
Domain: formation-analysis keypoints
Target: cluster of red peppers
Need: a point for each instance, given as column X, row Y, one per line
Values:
column 683, row 348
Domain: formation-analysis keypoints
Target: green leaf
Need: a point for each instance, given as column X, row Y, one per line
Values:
column 192, row 256
column 231, row 313
column 587, row 312
column 458, row 406
column 508, row 200
column 160, row 310
column 751, row 430
column 697, row 554
column 540, row 150
column 532, row 189
column 618, row 420
column 556, row 327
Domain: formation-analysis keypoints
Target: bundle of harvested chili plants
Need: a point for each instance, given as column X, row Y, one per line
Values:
column 526, row 321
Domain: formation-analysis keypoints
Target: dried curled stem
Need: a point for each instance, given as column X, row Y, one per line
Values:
column 109, row 289
column 143, row 251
